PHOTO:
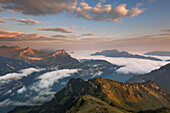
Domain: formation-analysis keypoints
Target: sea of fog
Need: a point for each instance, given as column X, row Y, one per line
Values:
column 131, row 65
column 42, row 84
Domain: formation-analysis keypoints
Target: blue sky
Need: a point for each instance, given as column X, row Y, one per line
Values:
column 154, row 17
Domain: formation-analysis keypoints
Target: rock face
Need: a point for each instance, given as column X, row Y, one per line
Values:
column 104, row 95
column 116, row 53
column 161, row 76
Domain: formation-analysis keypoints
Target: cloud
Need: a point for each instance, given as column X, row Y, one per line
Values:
column 89, row 34
column 2, row 9
column 76, row 27
column 133, row 42
column 97, row 73
column 73, row 36
column 101, row 9
column 106, row 12
column 139, row 27
column 151, row 1
column 9, row 102
column 65, row 36
column 39, row 7
column 44, row 84
column 57, row 29
column 40, row 91
column 138, row 66
column 25, row 21
column 120, row 12
column 16, row 76
column 166, row 30
column 49, row 78
column 5, row 103
column 131, row 65
column 8, row 92
column 81, row 9
column 23, row 89
column 2, row 21
column 20, row 36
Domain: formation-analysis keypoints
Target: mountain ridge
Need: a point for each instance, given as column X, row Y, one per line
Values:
column 59, row 59
column 161, row 76
column 116, row 53
column 121, row 96
column 158, row 53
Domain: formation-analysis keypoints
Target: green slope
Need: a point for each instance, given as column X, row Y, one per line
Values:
column 113, row 95
column 90, row 104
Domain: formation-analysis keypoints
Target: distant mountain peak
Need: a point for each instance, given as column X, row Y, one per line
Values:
column 38, row 58
column 116, row 53
column 4, row 46
column 158, row 53
column 27, row 50
column 60, row 52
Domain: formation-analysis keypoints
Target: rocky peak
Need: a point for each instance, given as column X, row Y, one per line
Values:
column 27, row 50
column 60, row 52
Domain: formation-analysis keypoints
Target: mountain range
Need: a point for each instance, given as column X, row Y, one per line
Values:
column 116, row 53
column 161, row 76
column 15, row 59
column 36, row 58
column 158, row 53
column 95, row 95
column 10, row 65
column 103, row 96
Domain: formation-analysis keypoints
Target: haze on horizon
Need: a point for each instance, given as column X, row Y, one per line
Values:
column 83, row 25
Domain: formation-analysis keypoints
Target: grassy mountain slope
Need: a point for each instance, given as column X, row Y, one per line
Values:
column 108, row 93
column 90, row 104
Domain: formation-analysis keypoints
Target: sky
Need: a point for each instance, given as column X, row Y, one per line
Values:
column 82, row 25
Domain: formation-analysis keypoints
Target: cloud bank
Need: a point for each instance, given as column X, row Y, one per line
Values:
column 131, row 65
column 40, row 91
column 99, row 12
column 49, row 78
column 17, row 76
column 20, row 36
column 43, row 87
